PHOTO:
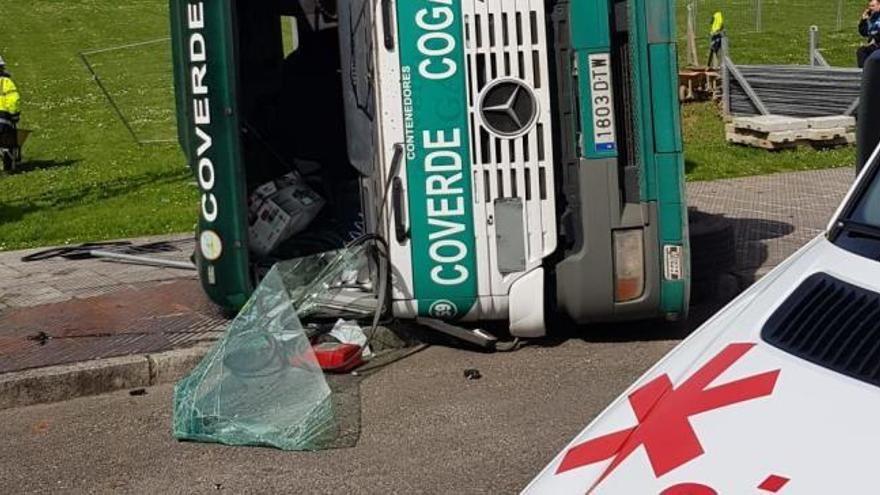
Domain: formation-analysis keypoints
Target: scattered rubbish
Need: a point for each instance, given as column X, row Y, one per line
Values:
column 42, row 338
column 474, row 337
column 122, row 251
column 137, row 392
column 472, row 374
column 141, row 260
column 41, row 427
column 279, row 210
column 337, row 357
column 72, row 252
column 349, row 332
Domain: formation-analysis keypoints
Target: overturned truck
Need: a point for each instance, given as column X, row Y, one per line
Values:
column 521, row 158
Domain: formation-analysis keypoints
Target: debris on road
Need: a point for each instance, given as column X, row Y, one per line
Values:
column 349, row 332
column 472, row 374
column 116, row 251
column 263, row 384
column 336, row 357
column 41, row 338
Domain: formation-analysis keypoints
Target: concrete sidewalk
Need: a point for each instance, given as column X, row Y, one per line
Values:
column 117, row 325
column 72, row 327
column 58, row 279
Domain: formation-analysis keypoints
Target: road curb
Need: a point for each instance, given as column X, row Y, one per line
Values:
column 64, row 382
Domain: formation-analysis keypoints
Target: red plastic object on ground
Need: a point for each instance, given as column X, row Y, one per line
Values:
column 338, row 358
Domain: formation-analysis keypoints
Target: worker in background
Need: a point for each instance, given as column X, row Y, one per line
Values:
column 717, row 36
column 10, row 105
column 869, row 28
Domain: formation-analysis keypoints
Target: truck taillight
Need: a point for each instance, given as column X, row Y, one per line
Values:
column 629, row 265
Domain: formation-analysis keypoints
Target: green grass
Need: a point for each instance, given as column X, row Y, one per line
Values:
column 85, row 179
column 784, row 39
column 709, row 157
column 84, row 176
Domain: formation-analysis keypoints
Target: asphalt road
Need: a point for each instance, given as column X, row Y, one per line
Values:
column 425, row 429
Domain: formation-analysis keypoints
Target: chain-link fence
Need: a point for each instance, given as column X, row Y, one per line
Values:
column 137, row 81
column 761, row 15
column 777, row 31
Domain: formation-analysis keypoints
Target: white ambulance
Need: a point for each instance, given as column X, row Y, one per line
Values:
column 778, row 393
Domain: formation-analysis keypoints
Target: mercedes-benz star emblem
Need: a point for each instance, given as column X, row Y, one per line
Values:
column 509, row 108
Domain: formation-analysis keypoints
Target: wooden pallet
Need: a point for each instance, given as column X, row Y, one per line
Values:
column 768, row 144
column 774, row 132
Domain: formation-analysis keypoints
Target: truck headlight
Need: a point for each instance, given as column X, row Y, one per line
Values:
column 629, row 265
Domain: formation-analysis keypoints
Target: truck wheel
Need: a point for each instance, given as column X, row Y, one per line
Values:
column 713, row 252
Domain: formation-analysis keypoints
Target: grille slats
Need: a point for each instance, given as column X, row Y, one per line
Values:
column 830, row 323
column 825, row 333
column 507, row 40
column 823, row 311
column 804, row 314
column 837, row 337
column 839, row 355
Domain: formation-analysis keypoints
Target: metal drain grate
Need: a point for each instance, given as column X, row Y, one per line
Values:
column 131, row 321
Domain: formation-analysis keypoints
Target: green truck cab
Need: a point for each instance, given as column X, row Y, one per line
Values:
column 523, row 160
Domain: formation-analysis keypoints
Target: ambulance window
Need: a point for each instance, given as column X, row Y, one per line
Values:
column 868, row 210
column 289, row 34
column 858, row 229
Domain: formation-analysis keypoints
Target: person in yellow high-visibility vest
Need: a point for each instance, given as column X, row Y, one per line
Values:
column 10, row 100
column 10, row 111
column 717, row 35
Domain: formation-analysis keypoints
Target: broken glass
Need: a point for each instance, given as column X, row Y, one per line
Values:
column 261, row 384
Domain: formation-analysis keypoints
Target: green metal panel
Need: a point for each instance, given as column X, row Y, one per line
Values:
column 660, row 76
column 664, row 80
column 671, row 197
column 434, row 83
column 644, row 98
column 203, row 37
column 657, row 115
column 590, row 30
column 179, row 51
column 660, row 15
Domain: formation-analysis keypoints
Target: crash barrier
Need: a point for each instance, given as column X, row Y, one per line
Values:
column 815, row 90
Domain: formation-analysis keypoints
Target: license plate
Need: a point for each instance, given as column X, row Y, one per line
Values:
column 604, row 134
